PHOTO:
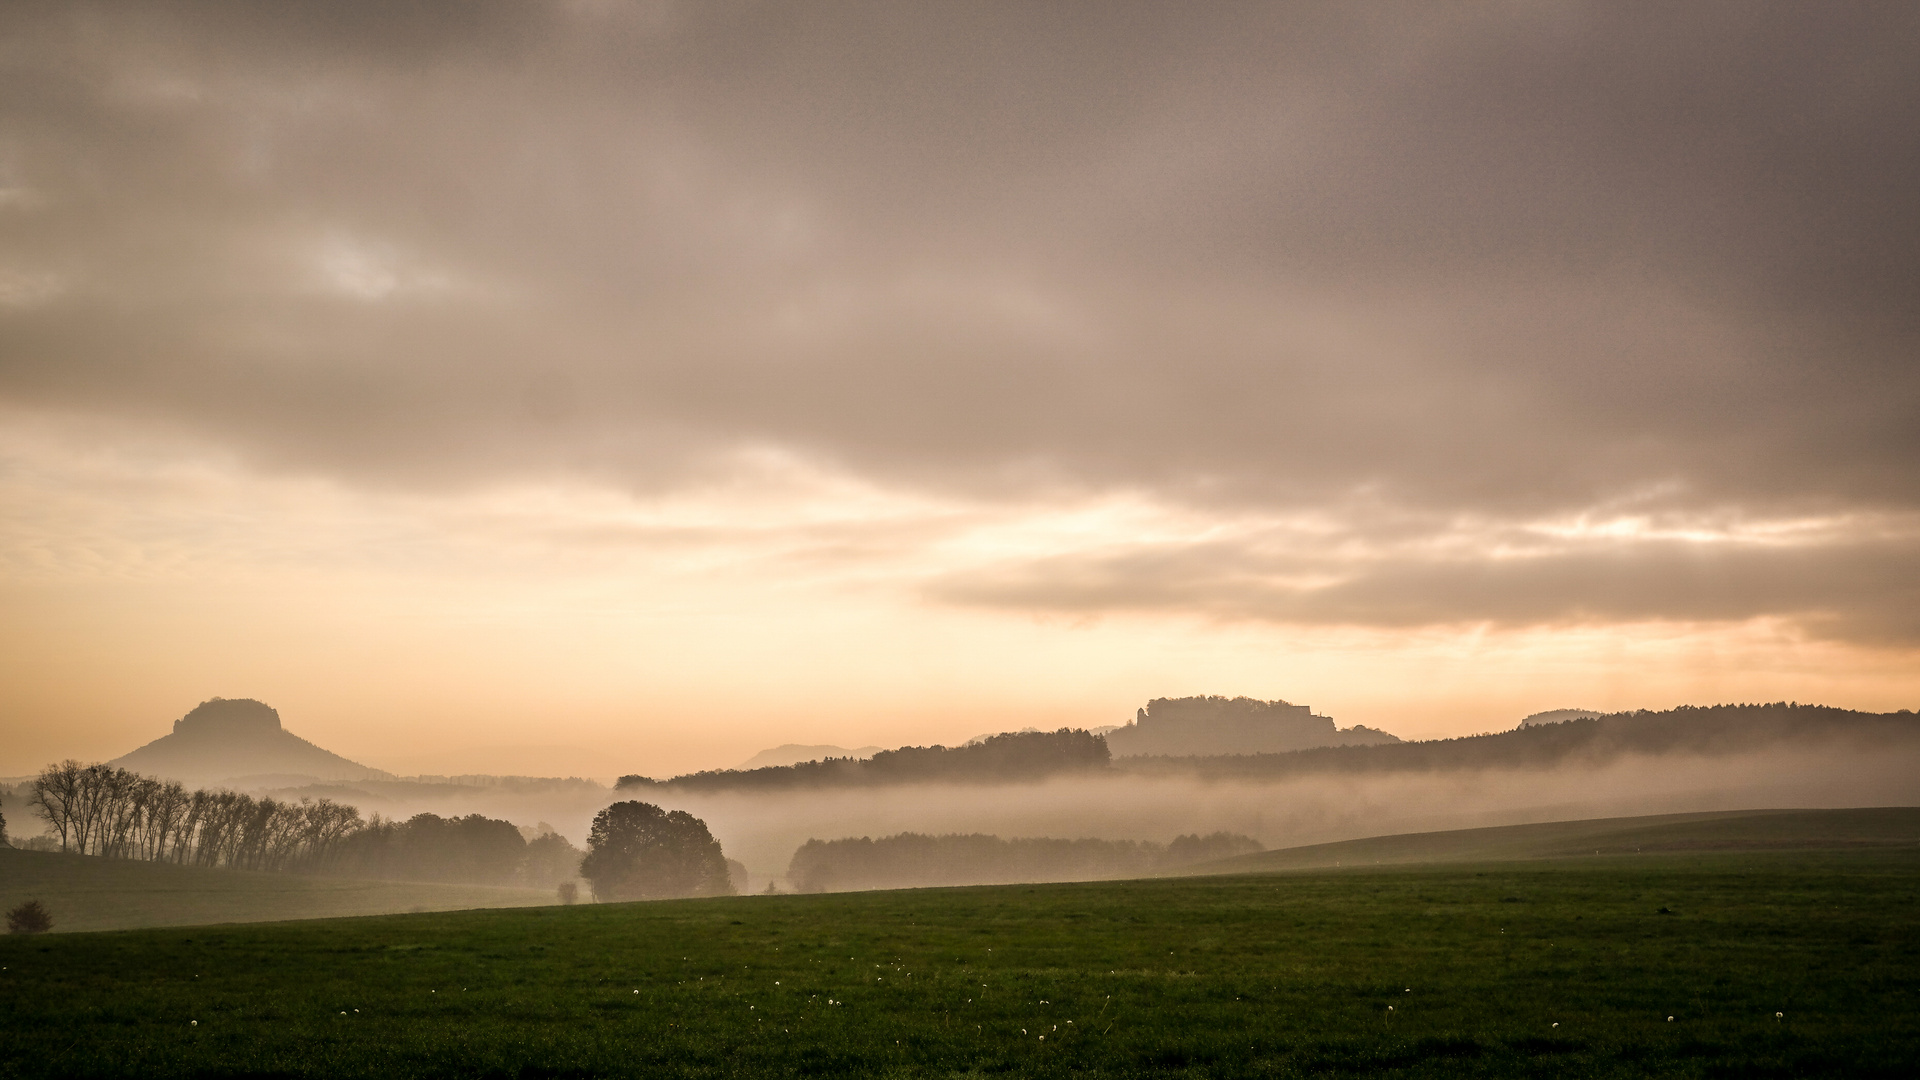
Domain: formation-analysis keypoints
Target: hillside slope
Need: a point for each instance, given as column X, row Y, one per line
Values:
column 1896, row 827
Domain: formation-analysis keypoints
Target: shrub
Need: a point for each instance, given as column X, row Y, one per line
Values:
column 31, row 917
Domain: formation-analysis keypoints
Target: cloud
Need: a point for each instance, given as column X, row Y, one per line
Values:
column 1508, row 265
column 1851, row 581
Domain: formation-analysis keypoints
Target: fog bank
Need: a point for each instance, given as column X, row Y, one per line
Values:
column 763, row 830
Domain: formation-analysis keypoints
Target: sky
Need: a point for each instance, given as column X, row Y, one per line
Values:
column 598, row 387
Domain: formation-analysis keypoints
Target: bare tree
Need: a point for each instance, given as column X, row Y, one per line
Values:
column 54, row 793
column 100, row 810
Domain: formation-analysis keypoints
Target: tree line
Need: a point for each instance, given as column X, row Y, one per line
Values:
column 1011, row 758
column 111, row 812
column 915, row 860
column 107, row 811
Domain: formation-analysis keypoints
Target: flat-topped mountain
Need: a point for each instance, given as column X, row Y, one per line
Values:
column 231, row 739
column 1184, row 727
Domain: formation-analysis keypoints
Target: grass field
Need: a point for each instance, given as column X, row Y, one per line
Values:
column 1769, row 963
column 87, row 893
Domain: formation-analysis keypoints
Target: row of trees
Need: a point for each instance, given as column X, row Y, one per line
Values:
column 106, row 811
column 636, row 851
column 102, row 810
column 914, row 860
column 473, row 850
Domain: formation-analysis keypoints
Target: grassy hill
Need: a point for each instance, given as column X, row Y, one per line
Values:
column 88, row 893
column 1732, row 830
column 1791, row 962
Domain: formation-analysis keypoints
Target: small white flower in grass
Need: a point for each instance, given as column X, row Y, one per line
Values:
column 1669, row 1019
column 193, row 1023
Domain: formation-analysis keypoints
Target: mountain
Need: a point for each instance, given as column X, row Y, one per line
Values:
column 1205, row 726
column 234, row 739
column 795, row 753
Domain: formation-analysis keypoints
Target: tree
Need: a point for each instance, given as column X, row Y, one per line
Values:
column 55, row 791
column 29, row 918
column 637, row 851
column 426, row 847
column 550, row 859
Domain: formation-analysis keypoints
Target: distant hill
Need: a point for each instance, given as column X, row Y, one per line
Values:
column 795, row 753
column 1221, row 725
column 1711, row 731
column 226, row 740
column 1015, row 758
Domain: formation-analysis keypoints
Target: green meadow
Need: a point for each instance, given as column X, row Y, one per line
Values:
column 1803, row 961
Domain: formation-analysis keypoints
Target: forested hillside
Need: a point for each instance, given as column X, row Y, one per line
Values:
column 1011, row 758
column 1709, row 731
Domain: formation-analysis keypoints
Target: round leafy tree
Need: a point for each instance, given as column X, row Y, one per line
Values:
column 637, row 851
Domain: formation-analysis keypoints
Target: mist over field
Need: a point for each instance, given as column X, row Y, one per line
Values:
column 1061, row 785
column 763, row 830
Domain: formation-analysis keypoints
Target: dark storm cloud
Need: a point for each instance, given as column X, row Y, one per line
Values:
column 1513, row 260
